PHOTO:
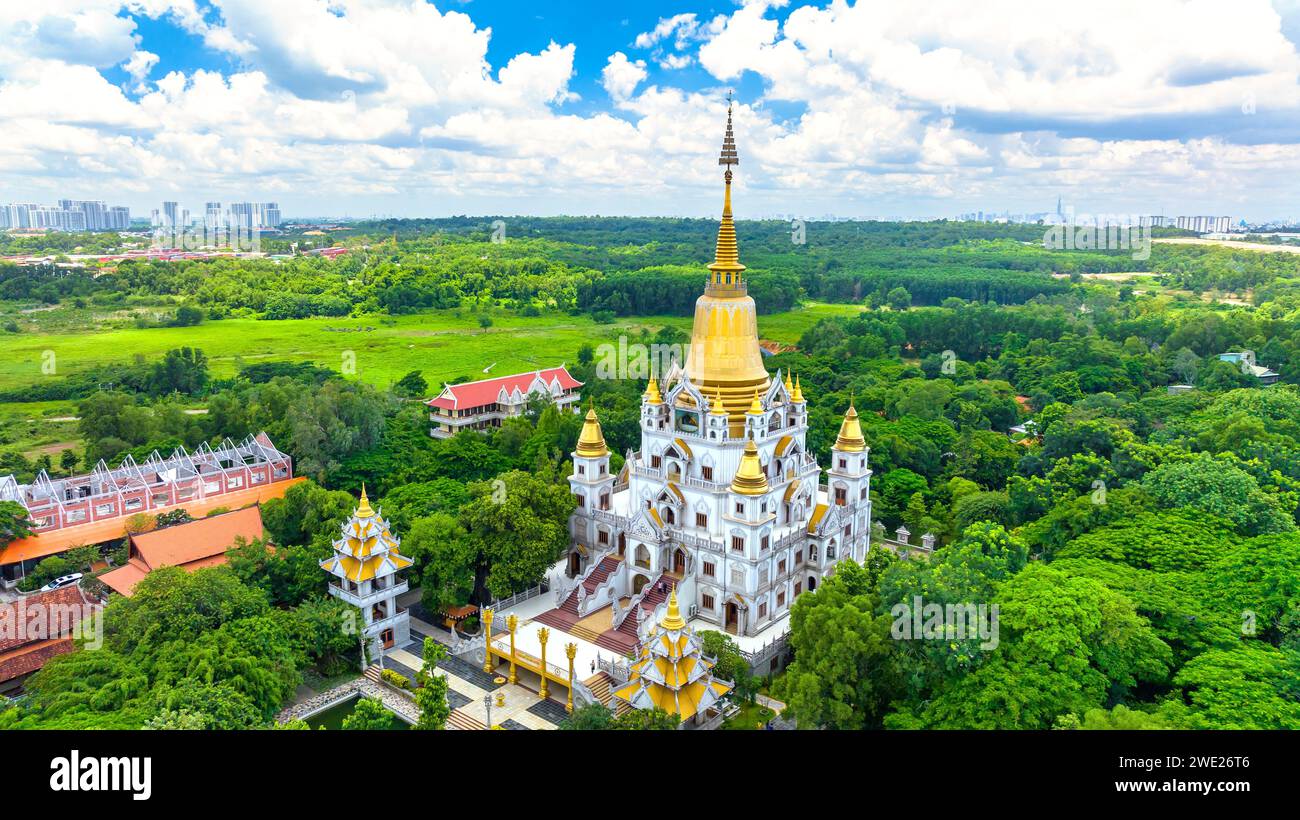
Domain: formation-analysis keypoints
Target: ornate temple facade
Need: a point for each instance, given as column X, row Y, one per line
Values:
column 723, row 506
column 367, row 569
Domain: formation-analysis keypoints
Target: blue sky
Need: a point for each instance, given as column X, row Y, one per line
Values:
column 867, row 109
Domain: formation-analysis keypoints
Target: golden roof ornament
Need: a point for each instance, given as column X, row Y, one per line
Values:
column 750, row 478
column 756, row 406
column 789, row 385
column 591, row 442
column 850, row 439
column 652, row 392
column 673, row 619
column 363, row 509
column 716, row 407
column 798, row 391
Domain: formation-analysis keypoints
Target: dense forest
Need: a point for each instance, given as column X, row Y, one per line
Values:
column 1141, row 544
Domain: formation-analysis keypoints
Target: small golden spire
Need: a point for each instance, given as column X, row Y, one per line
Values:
column 789, row 385
column 750, row 478
column 591, row 442
column 756, row 406
column 850, row 439
column 718, row 408
column 798, row 391
column 652, row 392
column 673, row 619
column 363, row 509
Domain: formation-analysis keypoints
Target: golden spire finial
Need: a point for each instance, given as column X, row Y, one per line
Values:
column 850, row 439
column 789, row 385
column 652, row 392
column 726, row 267
column 729, row 157
column 363, row 509
column 591, row 442
column 798, row 391
column 750, row 478
column 756, row 406
column 673, row 619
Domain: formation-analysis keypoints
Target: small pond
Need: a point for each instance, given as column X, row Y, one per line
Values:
column 332, row 718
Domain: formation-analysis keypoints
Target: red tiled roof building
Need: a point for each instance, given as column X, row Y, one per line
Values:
column 483, row 404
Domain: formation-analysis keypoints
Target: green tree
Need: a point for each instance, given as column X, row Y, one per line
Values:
column 518, row 526
column 840, row 677
column 1221, row 489
column 431, row 694
column 368, row 716
column 412, row 385
column 14, row 523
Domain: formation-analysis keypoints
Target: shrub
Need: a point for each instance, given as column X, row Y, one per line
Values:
column 394, row 679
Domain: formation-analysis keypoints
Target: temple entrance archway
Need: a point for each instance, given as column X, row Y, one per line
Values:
column 679, row 561
column 622, row 544
column 575, row 564
column 731, row 620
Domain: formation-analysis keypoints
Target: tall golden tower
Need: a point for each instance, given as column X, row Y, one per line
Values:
column 724, row 359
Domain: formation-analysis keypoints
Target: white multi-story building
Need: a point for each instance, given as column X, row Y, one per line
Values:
column 723, row 503
column 368, row 567
column 483, row 405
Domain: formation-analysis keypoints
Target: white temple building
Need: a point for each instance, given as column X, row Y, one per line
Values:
column 722, row 504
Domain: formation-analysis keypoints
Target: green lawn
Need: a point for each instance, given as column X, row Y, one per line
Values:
column 751, row 716
column 440, row 343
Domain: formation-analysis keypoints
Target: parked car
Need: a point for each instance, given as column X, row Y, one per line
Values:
column 62, row 581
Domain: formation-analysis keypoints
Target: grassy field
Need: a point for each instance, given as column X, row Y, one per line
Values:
column 442, row 344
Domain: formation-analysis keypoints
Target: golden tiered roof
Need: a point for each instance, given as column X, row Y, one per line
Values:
column 367, row 549
column 652, row 392
column 850, row 439
column 672, row 673
column 750, row 478
column 724, row 355
column 591, row 442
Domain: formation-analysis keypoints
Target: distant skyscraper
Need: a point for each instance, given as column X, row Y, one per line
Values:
column 171, row 214
column 214, row 217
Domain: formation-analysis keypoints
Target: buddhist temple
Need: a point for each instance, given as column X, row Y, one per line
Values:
column 367, row 565
column 722, row 506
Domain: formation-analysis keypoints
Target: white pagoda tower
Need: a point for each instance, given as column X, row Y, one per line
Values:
column 672, row 673
column 723, row 503
column 367, row 564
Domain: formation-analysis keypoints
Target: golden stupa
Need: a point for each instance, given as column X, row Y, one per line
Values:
column 724, row 358
column 591, row 442
column 671, row 672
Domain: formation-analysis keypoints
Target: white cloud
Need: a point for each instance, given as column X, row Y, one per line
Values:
column 873, row 100
column 621, row 76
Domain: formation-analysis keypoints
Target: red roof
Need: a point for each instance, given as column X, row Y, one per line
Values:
column 30, row 659
column 191, row 546
column 476, row 394
column 22, row 621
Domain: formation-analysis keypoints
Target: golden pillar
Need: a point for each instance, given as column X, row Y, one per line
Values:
column 543, row 635
column 570, row 649
column 512, row 623
column 487, row 640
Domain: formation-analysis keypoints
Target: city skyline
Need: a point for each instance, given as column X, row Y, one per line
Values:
column 862, row 110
